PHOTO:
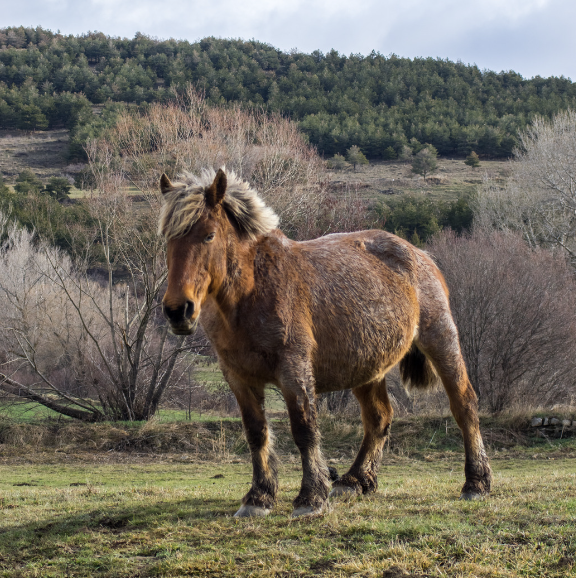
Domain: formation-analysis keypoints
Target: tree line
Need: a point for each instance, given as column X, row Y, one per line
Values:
column 379, row 103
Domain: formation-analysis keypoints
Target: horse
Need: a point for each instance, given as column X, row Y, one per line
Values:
column 311, row 317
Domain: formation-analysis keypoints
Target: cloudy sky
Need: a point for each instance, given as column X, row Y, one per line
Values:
column 532, row 37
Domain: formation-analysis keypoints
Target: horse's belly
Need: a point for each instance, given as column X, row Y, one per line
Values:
column 364, row 355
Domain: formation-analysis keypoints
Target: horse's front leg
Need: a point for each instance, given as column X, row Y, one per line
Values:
column 262, row 495
column 298, row 391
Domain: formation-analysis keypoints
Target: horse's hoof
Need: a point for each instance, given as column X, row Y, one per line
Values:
column 251, row 512
column 470, row 496
column 343, row 492
column 306, row 511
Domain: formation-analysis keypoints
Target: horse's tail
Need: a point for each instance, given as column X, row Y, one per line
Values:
column 416, row 370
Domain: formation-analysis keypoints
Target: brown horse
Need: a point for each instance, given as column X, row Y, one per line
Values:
column 310, row 317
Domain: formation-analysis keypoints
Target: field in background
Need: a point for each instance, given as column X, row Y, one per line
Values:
column 44, row 152
column 383, row 180
column 125, row 500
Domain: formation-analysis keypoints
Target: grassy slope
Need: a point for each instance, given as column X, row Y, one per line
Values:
column 383, row 180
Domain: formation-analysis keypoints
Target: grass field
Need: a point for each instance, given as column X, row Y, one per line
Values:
column 72, row 504
column 385, row 180
column 171, row 519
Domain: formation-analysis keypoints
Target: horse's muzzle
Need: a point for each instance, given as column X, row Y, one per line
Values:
column 180, row 318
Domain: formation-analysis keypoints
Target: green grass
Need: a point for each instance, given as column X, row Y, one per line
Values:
column 180, row 415
column 36, row 413
column 175, row 519
column 29, row 412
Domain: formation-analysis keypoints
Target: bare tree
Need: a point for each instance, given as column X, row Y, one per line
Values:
column 539, row 198
column 86, row 349
column 515, row 308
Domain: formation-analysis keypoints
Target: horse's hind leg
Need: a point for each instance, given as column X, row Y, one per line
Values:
column 441, row 346
column 262, row 495
column 376, row 417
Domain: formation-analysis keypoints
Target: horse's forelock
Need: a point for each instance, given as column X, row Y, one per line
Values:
column 185, row 204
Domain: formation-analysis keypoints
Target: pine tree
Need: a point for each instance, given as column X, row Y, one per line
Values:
column 355, row 156
column 389, row 153
column 405, row 154
column 472, row 160
column 58, row 187
column 424, row 162
column 337, row 162
column 28, row 182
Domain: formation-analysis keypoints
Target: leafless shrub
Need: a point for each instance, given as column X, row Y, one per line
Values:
column 342, row 403
column 515, row 310
column 197, row 398
column 340, row 212
column 188, row 134
column 539, row 198
column 88, row 350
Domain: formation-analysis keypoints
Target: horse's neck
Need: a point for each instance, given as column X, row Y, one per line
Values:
column 238, row 283
column 237, row 291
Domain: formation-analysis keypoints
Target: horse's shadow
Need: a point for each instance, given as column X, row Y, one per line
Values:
column 121, row 519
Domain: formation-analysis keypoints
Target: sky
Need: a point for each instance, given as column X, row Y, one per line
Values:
column 531, row 37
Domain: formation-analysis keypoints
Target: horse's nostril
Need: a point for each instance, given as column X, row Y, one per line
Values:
column 179, row 314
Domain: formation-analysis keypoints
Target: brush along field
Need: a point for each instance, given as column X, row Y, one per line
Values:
column 69, row 511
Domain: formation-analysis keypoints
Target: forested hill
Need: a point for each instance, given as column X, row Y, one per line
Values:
column 374, row 101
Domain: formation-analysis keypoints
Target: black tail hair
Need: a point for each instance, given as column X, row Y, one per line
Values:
column 416, row 370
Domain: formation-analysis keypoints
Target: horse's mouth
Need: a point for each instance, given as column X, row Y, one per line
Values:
column 187, row 327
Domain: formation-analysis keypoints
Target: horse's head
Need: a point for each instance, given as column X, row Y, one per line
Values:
column 200, row 219
column 196, row 254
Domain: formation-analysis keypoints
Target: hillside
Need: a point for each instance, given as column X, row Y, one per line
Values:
column 49, row 80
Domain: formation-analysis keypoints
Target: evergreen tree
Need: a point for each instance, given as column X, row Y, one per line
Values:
column 405, row 154
column 28, row 182
column 32, row 118
column 58, row 188
column 425, row 162
column 337, row 162
column 472, row 160
column 389, row 153
column 355, row 156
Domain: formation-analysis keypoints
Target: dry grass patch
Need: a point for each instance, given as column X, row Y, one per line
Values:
column 43, row 152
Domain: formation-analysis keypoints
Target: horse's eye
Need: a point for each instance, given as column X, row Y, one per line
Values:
column 209, row 238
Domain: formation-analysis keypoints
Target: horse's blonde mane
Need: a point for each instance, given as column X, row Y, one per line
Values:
column 184, row 205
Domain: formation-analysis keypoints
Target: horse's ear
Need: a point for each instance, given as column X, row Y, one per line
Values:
column 165, row 184
column 216, row 191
